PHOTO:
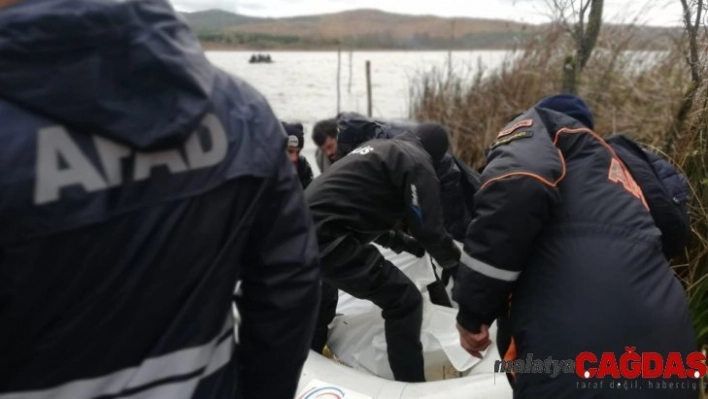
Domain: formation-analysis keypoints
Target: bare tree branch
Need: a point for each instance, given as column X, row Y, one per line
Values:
column 686, row 13
column 572, row 8
column 692, row 31
column 693, row 61
column 580, row 26
column 592, row 32
column 584, row 7
column 560, row 7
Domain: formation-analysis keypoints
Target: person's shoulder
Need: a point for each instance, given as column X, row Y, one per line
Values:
column 406, row 144
column 406, row 156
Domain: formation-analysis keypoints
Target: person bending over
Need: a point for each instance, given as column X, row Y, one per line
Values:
column 564, row 252
column 324, row 134
column 363, row 196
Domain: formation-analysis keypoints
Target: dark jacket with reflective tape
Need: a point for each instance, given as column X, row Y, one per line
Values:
column 561, row 226
column 380, row 184
column 138, row 184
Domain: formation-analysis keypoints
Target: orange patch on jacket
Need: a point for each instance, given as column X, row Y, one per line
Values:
column 524, row 123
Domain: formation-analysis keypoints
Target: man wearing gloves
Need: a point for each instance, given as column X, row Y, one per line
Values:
column 564, row 250
column 365, row 195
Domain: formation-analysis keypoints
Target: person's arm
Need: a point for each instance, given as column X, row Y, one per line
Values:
column 424, row 216
column 452, row 198
column 510, row 213
column 281, row 290
column 511, row 208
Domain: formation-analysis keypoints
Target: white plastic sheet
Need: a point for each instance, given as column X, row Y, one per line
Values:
column 359, row 341
column 419, row 270
column 357, row 337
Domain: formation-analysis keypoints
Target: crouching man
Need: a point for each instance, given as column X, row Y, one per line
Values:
column 363, row 196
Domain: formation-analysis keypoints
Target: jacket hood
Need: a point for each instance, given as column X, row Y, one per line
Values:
column 354, row 130
column 129, row 70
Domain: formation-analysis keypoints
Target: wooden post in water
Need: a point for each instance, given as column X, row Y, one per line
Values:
column 350, row 71
column 449, row 50
column 339, row 73
column 368, row 88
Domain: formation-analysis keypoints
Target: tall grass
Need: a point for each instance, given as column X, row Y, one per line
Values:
column 638, row 94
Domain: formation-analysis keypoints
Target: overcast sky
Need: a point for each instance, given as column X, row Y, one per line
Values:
column 655, row 12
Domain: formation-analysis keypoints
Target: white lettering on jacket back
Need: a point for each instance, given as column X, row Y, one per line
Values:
column 55, row 146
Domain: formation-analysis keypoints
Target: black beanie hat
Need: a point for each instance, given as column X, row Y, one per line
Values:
column 570, row 105
column 296, row 134
column 435, row 140
column 353, row 130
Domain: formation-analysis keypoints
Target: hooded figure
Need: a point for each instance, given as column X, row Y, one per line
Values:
column 138, row 185
column 666, row 189
column 458, row 183
column 564, row 251
column 354, row 129
column 363, row 196
column 296, row 140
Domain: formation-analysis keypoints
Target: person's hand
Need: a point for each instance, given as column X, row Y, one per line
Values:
column 399, row 242
column 474, row 343
column 412, row 246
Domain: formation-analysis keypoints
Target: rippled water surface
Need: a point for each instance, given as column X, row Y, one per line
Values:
column 302, row 86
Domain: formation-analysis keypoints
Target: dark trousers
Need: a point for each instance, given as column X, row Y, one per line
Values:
column 361, row 271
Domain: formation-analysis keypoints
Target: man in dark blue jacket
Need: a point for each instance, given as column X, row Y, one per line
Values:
column 564, row 244
column 138, row 184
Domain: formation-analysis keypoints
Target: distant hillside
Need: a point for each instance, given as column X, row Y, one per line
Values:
column 215, row 20
column 361, row 29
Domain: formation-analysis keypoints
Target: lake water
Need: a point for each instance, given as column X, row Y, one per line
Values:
column 302, row 86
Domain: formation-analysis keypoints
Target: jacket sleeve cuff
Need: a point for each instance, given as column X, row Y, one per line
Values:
column 452, row 258
column 469, row 321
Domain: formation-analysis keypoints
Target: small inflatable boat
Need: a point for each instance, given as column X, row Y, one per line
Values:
column 260, row 59
column 359, row 366
column 324, row 378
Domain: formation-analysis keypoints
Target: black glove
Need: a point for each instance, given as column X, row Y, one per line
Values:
column 412, row 246
column 452, row 260
column 399, row 242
